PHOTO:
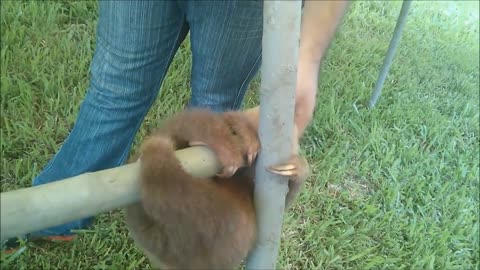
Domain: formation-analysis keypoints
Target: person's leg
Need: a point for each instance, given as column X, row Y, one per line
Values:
column 226, row 40
column 136, row 41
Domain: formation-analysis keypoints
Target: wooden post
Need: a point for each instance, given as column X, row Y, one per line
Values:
column 40, row 207
column 281, row 34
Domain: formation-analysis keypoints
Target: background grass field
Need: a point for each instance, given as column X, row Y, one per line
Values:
column 396, row 187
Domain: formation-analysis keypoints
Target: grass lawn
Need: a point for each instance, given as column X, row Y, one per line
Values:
column 396, row 187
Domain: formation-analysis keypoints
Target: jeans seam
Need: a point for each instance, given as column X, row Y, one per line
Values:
column 244, row 81
column 161, row 78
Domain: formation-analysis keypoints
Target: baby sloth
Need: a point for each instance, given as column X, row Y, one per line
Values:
column 185, row 222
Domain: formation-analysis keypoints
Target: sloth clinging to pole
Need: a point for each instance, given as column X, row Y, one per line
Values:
column 187, row 222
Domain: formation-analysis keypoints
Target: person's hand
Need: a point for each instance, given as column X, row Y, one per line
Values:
column 306, row 90
column 304, row 108
column 319, row 22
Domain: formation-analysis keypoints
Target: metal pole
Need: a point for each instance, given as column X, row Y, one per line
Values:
column 281, row 33
column 402, row 18
column 40, row 207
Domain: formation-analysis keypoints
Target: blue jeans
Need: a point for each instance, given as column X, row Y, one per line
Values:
column 135, row 44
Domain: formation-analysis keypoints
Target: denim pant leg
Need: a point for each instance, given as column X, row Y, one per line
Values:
column 226, row 41
column 135, row 43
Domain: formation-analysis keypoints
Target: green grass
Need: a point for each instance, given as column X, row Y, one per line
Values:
column 396, row 187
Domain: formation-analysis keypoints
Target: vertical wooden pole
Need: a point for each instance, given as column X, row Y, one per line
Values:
column 281, row 34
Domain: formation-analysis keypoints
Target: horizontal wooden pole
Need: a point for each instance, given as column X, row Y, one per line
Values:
column 35, row 208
